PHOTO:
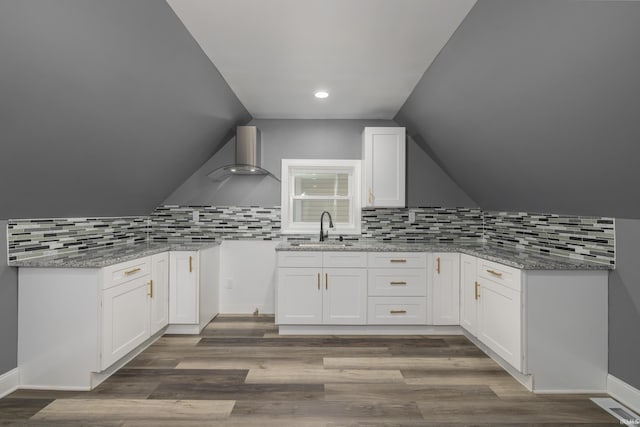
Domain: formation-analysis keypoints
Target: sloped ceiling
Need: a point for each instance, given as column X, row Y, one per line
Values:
column 369, row 54
column 105, row 107
column 535, row 106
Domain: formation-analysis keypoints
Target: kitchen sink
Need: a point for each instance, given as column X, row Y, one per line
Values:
column 322, row 245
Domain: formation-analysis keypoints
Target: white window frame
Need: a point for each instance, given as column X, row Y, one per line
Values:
column 291, row 166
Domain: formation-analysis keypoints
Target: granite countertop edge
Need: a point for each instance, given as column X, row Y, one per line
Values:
column 510, row 257
column 104, row 257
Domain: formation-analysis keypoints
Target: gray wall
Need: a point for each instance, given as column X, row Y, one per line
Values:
column 427, row 184
column 533, row 106
column 8, row 307
column 105, row 107
column 624, row 304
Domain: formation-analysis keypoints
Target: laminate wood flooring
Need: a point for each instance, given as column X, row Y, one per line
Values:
column 240, row 372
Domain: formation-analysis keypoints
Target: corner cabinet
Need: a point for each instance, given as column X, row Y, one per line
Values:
column 383, row 166
column 321, row 288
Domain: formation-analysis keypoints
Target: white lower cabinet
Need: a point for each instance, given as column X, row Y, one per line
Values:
column 397, row 311
column 193, row 289
column 183, row 287
column 468, row 294
column 549, row 326
column 344, row 298
column 491, row 306
column 397, row 288
column 159, row 292
column 299, row 296
column 499, row 320
column 125, row 319
column 445, row 301
column 331, row 291
column 93, row 318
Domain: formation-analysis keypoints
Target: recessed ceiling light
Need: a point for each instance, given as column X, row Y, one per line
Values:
column 321, row 94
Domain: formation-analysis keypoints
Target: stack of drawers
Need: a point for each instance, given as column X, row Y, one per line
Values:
column 397, row 288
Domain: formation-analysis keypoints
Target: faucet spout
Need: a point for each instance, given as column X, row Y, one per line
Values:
column 324, row 235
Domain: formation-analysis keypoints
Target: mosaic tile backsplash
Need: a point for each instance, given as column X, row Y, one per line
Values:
column 31, row 238
column 584, row 238
column 432, row 224
column 587, row 238
column 215, row 223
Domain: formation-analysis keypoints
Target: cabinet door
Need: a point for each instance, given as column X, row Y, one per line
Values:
column 446, row 289
column 384, row 152
column 125, row 319
column 159, row 292
column 345, row 296
column 499, row 321
column 183, row 288
column 468, row 293
column 299, row 296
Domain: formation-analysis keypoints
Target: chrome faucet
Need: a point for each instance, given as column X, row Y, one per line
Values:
column 324, row 235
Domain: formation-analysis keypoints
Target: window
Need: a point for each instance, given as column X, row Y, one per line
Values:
column 310, row 187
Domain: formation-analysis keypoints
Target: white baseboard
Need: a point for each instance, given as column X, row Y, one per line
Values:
column 368, row 330
column 623, row 392
column 9, row 382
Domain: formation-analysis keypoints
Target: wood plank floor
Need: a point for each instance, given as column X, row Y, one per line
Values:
column 239, row 372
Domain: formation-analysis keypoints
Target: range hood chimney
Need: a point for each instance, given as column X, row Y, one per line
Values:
column 248, row 156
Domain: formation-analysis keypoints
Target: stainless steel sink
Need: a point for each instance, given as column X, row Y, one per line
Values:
column 322, row 245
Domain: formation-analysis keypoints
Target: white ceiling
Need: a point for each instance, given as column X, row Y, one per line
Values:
column 369, row 54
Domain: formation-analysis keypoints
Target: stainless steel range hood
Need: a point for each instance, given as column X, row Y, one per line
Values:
column 248, row 156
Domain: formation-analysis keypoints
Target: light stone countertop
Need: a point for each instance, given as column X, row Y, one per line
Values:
column 103, row 257
column 511, row 257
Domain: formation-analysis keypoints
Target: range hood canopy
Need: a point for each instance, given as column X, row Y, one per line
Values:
column 247, row 156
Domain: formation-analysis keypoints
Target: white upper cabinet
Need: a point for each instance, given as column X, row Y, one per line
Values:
column 383, row 167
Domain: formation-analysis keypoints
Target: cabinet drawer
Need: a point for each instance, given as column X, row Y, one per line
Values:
column 300, row 259
column 397, row 282
column 397, row 311
column 499, row 273
column 126, row 271
column 344, row 259
column 397, row 260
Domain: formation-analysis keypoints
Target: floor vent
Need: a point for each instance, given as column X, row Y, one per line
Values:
column 624, row 414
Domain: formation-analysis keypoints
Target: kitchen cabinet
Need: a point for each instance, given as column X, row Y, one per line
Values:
column 499, row 310
column 548, row 328
column 445, row 301
column 383, row 167
column 159, row 292
column 468, row 294
column 183, row 287
column 94, row 318
column 193, row 289
column 331, row 289
column 125, row 319
column 397, row 288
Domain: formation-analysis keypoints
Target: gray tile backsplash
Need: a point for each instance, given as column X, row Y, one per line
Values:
column 32, row 238
column 586, row 238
